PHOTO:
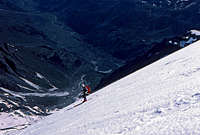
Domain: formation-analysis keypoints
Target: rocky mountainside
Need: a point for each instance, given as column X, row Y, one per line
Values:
column 119, row 26
column 43, row 29
column 123, row 26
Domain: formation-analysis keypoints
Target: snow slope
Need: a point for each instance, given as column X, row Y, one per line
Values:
column 162, row 98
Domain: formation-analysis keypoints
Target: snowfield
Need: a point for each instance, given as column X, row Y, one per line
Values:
column 160, row 99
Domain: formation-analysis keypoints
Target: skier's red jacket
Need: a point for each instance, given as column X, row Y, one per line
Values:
column 88, row 88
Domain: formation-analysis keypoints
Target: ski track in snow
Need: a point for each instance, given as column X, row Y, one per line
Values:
column 160, row 99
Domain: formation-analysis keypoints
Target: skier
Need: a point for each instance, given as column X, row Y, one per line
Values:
column 85, row 90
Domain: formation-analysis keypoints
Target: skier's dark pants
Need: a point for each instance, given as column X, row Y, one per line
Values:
column 84, row 96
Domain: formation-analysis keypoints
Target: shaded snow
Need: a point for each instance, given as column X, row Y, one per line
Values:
column 53, row 88
column 42, row 77
column 46, row 94
column 12, row 93
column 25, row 87
column 30, row 83
column 189, row 41
column 162, row 98
column 49, row 94
column 104, row 72
column 39, row 75
column 195, row 32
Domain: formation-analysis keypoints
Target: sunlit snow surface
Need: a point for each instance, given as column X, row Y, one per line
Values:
column 162, row 98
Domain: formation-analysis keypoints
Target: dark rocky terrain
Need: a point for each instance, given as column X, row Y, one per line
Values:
column 118, row 26
column 158, row 51
column 54, row 44
column 122, row 26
